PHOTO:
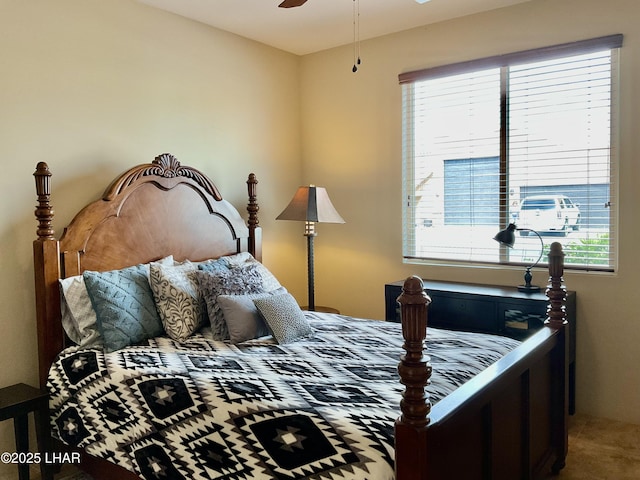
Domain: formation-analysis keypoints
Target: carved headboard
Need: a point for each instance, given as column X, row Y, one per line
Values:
column 148, row 212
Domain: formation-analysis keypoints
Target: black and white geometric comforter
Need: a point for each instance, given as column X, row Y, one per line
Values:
column 321, row 408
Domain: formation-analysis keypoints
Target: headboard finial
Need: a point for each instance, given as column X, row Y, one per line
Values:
column 169, row 164
column 44, row 211
column 252, row 221
column 163, row 166
column 252, row 206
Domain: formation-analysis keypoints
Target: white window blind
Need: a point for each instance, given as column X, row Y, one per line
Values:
column 526, row 138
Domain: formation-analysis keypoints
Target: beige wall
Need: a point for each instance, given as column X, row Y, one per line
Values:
column 94, row 87
column 352, row 145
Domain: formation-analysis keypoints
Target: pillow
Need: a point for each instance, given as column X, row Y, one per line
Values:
column 178, row 301
column 243, row 259
column 284, row 317
column 78, row 315
column 239, row 280
column 242, row 317
column 125, row 311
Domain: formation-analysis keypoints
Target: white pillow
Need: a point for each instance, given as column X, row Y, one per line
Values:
column 78, row 316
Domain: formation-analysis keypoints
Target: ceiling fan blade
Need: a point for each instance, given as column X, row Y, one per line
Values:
column 292, row 3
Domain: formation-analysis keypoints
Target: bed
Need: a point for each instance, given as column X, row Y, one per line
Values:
column 280, row 393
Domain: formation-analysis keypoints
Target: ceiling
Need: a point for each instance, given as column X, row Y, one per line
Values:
column 320, row 24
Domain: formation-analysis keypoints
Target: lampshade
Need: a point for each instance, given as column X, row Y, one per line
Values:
column 507, row 236
column 311, row 204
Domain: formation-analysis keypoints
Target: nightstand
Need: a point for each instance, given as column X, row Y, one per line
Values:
column 490, row 309
column 16, row 402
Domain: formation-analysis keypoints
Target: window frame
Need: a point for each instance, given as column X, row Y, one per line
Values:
column 610, row 42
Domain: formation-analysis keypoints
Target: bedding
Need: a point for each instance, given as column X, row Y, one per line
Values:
column 320, row 407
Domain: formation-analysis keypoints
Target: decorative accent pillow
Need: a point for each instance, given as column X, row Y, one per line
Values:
column 243, row 259
column 242, row 317
column 125, row 311
column 284, row 317
column 231, row 281
column 78, row 316
column 178, row 301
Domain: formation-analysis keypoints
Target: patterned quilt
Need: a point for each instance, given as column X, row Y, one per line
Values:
column 321, row 408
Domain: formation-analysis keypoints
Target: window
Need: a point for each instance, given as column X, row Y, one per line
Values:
column 524, row 138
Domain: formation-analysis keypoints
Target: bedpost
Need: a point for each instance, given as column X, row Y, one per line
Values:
column 557, row 319
column 556, row 291
column 255, row 231
column 46, row 258
column 44, row 211
column 415, row 372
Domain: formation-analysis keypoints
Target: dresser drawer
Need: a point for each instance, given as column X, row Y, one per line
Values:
column 462, row 313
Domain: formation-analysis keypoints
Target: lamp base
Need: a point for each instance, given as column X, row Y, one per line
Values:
column 528, row 288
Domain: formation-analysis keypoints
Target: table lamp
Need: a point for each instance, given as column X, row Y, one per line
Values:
column 507, row 237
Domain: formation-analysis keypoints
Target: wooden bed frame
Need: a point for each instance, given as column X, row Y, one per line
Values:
column 508, row 422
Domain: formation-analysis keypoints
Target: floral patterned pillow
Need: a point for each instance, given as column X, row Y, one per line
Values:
column 178, row 301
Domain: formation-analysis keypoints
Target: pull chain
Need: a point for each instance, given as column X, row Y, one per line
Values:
column 356, row 35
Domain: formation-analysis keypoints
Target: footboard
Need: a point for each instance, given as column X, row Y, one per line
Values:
column 510, row 421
